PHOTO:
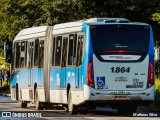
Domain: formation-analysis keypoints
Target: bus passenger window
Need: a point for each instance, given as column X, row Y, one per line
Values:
column 64, row 51
column 79, row 51
column 22, row 55
column 14, row 56
column 41, row 54
column 18, row 45
column 31, row 55
column 70, row 51
column 53, row 51
column 26, row 53
column 36, row 53
column 58, row 51
column 74, row 50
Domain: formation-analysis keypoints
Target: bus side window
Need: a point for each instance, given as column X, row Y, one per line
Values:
column 36, row 52
column 22, row 55
column 26, row 44
column 70, row 51
column 79, row 50
column 17, row 60
column 41, row 54
column 64, row 51
column 14, row 56
column 58, row 51
column 31, row 54
column 53, row 51
column 75, row 50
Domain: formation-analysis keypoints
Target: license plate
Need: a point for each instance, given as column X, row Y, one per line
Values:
column 120, row 98
column 121, row 79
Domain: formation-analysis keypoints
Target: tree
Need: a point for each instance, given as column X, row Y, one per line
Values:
column 16, row 15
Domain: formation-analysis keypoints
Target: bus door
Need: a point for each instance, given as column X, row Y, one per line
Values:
column 30, row 64
column 78, row 61
column 64, row 60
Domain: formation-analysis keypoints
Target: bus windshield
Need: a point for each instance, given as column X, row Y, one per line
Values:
column 120, row 37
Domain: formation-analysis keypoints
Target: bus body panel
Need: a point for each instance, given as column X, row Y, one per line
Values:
column 25, row 80
column 130, row 80
column 112, row 76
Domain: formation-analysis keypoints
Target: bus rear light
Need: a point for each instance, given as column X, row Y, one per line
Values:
column 90, row 75
column 150, row 75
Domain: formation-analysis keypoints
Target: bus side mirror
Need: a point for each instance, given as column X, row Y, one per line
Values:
column 8, row 51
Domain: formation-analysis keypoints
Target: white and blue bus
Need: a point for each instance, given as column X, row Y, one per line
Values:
column 84, row 64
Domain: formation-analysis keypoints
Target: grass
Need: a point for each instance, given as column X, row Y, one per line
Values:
column 157, row 89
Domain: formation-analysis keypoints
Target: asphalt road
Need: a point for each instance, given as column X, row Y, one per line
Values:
column 10, row 110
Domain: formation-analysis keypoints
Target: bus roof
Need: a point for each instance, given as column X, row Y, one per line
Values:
column 31, row 32
column 70, row 27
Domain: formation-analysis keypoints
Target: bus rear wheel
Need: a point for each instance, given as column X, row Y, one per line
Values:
column 37, row 102
column 72, row 109
column 23, row 104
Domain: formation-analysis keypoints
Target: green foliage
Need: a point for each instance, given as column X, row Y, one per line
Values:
column 157, row 94
column 157, row 84
column 156, row 17
column 16, row 15
column 3, row 64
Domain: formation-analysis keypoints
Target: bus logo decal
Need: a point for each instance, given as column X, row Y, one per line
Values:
column 136, row 84
column 100, row 81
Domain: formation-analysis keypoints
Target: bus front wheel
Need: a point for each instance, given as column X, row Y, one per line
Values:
column 72, row 109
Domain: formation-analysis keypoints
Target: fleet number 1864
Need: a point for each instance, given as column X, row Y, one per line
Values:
column 120, row 69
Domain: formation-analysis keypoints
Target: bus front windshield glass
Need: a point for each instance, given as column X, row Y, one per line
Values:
column 120, row 37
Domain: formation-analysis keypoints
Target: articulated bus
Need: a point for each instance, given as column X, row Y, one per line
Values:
column 84, row 64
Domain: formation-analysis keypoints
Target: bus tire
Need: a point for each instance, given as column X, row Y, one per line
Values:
column 23, row 104
column 83, row 109
column 37, row 102
column 72, row 109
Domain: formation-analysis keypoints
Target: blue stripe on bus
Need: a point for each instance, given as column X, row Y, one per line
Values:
column 28, row 77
